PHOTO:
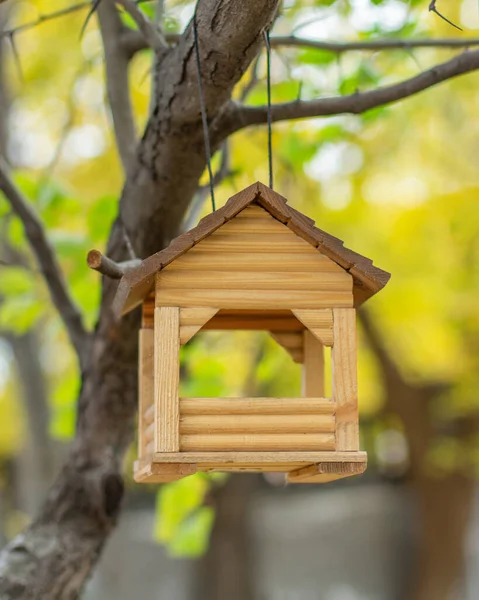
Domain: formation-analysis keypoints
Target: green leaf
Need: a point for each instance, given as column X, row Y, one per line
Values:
column 183, row 523
column 312, row 56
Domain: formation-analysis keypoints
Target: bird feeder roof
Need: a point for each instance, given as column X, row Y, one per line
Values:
column 139, row 282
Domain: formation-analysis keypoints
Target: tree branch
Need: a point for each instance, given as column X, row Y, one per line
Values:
column 117, row 60
column 372, row 45
column 48, row 263
column 151, row 34
column 135, row 42
column 56, row 554
column 239, row 116
column 104, row 265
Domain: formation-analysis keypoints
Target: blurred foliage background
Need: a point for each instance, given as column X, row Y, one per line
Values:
column 399, row 184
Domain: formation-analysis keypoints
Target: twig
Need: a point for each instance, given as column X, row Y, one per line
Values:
column 239, row 116
column 94, row 7
column 48, row 263
column 153, row 36
column 136, row 40
column 44, row 18
column 432, row 8
column 117, row 82
column 108, row 267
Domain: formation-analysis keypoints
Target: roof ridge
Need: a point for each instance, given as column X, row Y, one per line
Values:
column 137, row 283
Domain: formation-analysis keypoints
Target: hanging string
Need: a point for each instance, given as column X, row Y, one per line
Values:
column 203, row 114
column 270, row 129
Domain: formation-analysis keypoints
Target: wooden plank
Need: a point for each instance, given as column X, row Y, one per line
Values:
column 204, row 424
column 257, row 442
column 249, row 299
column 326, row 472
column 263, row 320
column 256, row 406
column 258, row 457
column 205, row 280
column 255, row 224
column 254, row 212
column 313, row 367
column 252, row 242
column 345, row 387
column 319, row 322
column 149, row 413
column 283, row 261
column 149, row 433
column 162, row 473
column 145, row 385
column 167, row 376
column 227, row 322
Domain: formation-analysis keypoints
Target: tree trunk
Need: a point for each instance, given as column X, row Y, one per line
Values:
column 444, row 503
column 226, row 570
column 55, row 555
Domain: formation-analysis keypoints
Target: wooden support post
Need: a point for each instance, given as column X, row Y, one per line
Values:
column 345, row 387
column 313, row 367
column 167, row 379
column 145, row 385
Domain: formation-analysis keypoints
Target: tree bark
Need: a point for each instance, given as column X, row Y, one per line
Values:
column 55, row 555
column 226, row 570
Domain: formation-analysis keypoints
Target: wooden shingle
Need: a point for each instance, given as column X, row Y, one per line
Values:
column 138, row 283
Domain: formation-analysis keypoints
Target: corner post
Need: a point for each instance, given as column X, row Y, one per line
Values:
column 145, row 389
column 312, row 383
column 167, row 379
column 345, row 387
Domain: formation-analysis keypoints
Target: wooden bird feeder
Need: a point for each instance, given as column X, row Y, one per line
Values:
column 254, row 264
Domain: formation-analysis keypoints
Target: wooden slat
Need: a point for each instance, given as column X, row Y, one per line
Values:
column 313, row 367
column 149, row 432
column 252, row 242
column 256, row 406
column 255, row 225
column 227, row 322
column 253, row 298
column 284, row 261
column 254, row 320
column 259, row 457
column 257, row 442
column 319, row 323
column 149, row 413
column 255, row 212
column 345, row 388
column 326, row 472
column 145, row 385
column 205, row 280
column 167, row 375
column 204, row 424
column 248, row 468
